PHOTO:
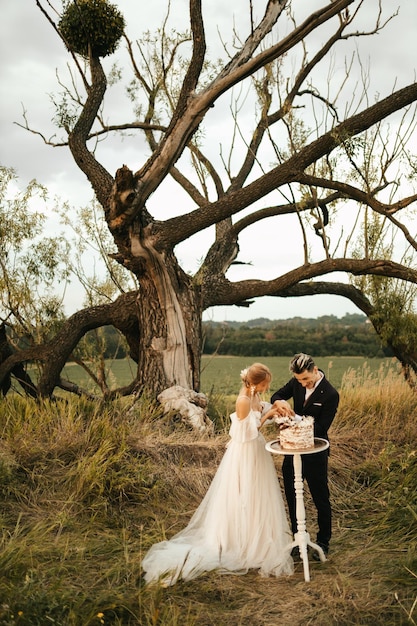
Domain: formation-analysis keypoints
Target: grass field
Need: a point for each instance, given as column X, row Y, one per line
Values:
column 220, row 374
column 86, row 488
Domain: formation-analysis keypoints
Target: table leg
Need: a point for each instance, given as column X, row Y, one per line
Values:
column 301, row 537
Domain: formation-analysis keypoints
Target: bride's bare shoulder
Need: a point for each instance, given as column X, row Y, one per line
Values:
column 243, row 406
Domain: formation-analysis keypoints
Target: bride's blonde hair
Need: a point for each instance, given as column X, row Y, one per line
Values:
column 255, row 374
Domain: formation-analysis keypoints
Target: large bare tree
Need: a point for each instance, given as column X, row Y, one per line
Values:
column 307, row 151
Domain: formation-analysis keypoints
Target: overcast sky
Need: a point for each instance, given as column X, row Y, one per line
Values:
column 32, row 55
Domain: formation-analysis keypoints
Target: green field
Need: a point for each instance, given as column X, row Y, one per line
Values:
column 220, row 374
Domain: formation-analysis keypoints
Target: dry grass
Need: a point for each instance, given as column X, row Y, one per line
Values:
column 87, row 489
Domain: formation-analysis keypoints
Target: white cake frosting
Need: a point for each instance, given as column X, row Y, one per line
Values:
column 298, row 435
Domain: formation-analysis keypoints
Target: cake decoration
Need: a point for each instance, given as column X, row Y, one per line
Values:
column 296, row 433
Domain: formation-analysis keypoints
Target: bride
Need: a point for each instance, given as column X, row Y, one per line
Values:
column 241, row 522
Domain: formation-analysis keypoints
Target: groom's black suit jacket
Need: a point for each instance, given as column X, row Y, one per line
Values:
column 322, row 404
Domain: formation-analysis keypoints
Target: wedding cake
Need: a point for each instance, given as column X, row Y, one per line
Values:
column 297, row 433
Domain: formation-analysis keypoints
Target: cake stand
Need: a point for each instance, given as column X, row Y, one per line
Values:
column 301, row 537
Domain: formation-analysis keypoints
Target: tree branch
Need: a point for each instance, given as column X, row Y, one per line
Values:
column 324, row 288
column 183, row 127
column 182, row 227
column 223, row 292
column 368, row 199
column 98, row 176
column 122, row 314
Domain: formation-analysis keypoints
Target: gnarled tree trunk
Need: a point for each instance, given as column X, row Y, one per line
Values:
column 169, row 317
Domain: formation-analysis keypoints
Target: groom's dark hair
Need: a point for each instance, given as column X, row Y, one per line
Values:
column 301, row 362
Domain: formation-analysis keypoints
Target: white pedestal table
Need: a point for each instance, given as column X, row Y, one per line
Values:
column 301, row 538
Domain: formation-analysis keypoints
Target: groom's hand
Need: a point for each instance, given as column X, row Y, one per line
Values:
column 283, row 409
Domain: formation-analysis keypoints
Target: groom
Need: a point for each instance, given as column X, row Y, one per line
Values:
column 313, row 395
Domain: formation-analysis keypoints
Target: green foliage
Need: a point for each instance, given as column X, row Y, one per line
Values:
column 393, row 300
column 92, row 25
column 397, row 327
column 163, row 61
column 36, row 266
column 92, row 239
column 31, row 261
column 106, row 341
column 66, row 113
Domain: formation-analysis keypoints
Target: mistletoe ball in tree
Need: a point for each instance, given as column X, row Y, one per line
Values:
column 91, row 25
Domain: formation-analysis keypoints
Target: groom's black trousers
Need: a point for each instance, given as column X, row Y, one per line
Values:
column 314, row 471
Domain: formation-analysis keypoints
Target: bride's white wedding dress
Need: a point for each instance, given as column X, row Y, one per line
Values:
column 241, row 522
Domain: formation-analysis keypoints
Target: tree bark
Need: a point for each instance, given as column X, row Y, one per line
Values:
column 170, row 318
column 17, row 369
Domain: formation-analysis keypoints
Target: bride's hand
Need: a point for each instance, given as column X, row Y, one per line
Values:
column 269, row 416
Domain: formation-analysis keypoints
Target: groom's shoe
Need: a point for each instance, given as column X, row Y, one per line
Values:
column 295, row 552
column 324, row 547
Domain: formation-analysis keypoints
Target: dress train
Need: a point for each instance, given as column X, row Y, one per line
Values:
column 241, row 522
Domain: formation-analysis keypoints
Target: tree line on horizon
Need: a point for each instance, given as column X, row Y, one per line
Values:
column 351, row 335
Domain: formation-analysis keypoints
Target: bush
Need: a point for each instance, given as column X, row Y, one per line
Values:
column 94, row 23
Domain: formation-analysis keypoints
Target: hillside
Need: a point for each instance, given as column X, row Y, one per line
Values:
column 350, row 335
